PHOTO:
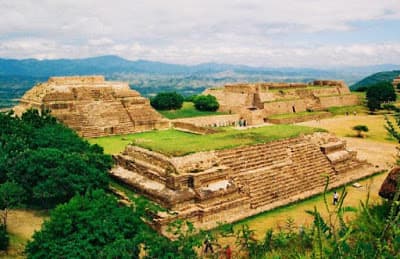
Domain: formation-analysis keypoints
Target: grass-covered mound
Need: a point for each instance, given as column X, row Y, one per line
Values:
column 177, row 143
column 188, row 110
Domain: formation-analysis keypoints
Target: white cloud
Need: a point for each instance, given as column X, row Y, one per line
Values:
column 182, row 31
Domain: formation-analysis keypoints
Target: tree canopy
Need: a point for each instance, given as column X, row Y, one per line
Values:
column 206, row 103
column 167, row 101
column 89, row 226
column 49, row 161
column 380, row 93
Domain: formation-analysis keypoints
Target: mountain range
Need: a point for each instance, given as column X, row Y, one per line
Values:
column 150, row 77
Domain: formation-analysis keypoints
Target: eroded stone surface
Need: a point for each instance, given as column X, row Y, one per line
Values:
column 256, row 101
column 232, row 184
column 92, row 106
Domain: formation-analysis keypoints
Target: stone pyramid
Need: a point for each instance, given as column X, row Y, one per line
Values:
column 92, row 106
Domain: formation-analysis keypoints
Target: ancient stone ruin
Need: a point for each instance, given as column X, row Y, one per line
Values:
column 232, row 184
column 256, row 101
column 92, row 106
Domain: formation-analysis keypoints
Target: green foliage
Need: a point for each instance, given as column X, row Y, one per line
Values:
column 188, row 110
column 206, row 103
column 47, row 160
column 4, row 238
column 181, row 247
column 361, row 89
column 167, row 101
column 190, row 98
column 89, row 226
column 380, row 93
column 360, row 129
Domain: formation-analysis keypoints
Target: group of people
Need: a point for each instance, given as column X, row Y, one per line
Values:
column 242, row 122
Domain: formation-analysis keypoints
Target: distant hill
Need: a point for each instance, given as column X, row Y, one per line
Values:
column 375, row 78
column 151, row 77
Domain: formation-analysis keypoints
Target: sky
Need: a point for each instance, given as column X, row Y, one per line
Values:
column 274, row 33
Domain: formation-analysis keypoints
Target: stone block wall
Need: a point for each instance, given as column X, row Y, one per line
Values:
column 92, row 106
column 232, row 184
column 275, row 98
column 211, row 121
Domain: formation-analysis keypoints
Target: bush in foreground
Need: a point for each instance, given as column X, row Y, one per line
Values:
column 89, row 226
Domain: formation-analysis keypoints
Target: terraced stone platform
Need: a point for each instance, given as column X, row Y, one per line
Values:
column 232, row 184
column 92, row 106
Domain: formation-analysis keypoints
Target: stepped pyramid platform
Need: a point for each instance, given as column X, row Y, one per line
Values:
column 255, row 102
column 92, row 106
column 231, row 184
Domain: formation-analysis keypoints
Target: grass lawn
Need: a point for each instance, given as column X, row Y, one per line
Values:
column 295, row 115
column 187, row 110
column 178, row 143
column 341, row 110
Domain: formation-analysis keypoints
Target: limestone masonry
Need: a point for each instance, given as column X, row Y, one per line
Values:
column 92, row 106
column 255, row 102
column 232, row 184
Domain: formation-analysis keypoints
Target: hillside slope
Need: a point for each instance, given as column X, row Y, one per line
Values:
column 375, row 78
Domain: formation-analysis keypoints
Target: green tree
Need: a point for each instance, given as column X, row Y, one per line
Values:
column 398, row 86
column 360, row 129
column 48, row 160
column 206, row 103
column 380, row 93
column 89, row 226
column 50, row 176
column 167, row 101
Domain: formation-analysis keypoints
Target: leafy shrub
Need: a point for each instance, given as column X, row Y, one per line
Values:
column 167, row 101
column 206, row 103
column 360, row 129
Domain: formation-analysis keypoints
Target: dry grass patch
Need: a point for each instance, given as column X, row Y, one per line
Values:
column 21, row 224
column 342, row 126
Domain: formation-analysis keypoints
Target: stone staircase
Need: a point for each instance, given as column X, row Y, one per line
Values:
column 277, row 170
column 341, row 159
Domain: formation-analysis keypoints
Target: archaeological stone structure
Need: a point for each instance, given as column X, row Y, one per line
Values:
column 231, row 184
column 92, row 106
column 256, row 101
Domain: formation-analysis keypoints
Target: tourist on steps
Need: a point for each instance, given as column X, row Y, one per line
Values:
column 335, row 198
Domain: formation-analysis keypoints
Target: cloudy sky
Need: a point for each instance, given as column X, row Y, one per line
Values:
column 312, row 33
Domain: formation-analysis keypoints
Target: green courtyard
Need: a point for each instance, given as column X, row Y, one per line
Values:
column 177, row 143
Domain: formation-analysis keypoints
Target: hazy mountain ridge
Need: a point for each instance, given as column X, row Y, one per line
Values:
column 375, row 78
column 150, row 77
